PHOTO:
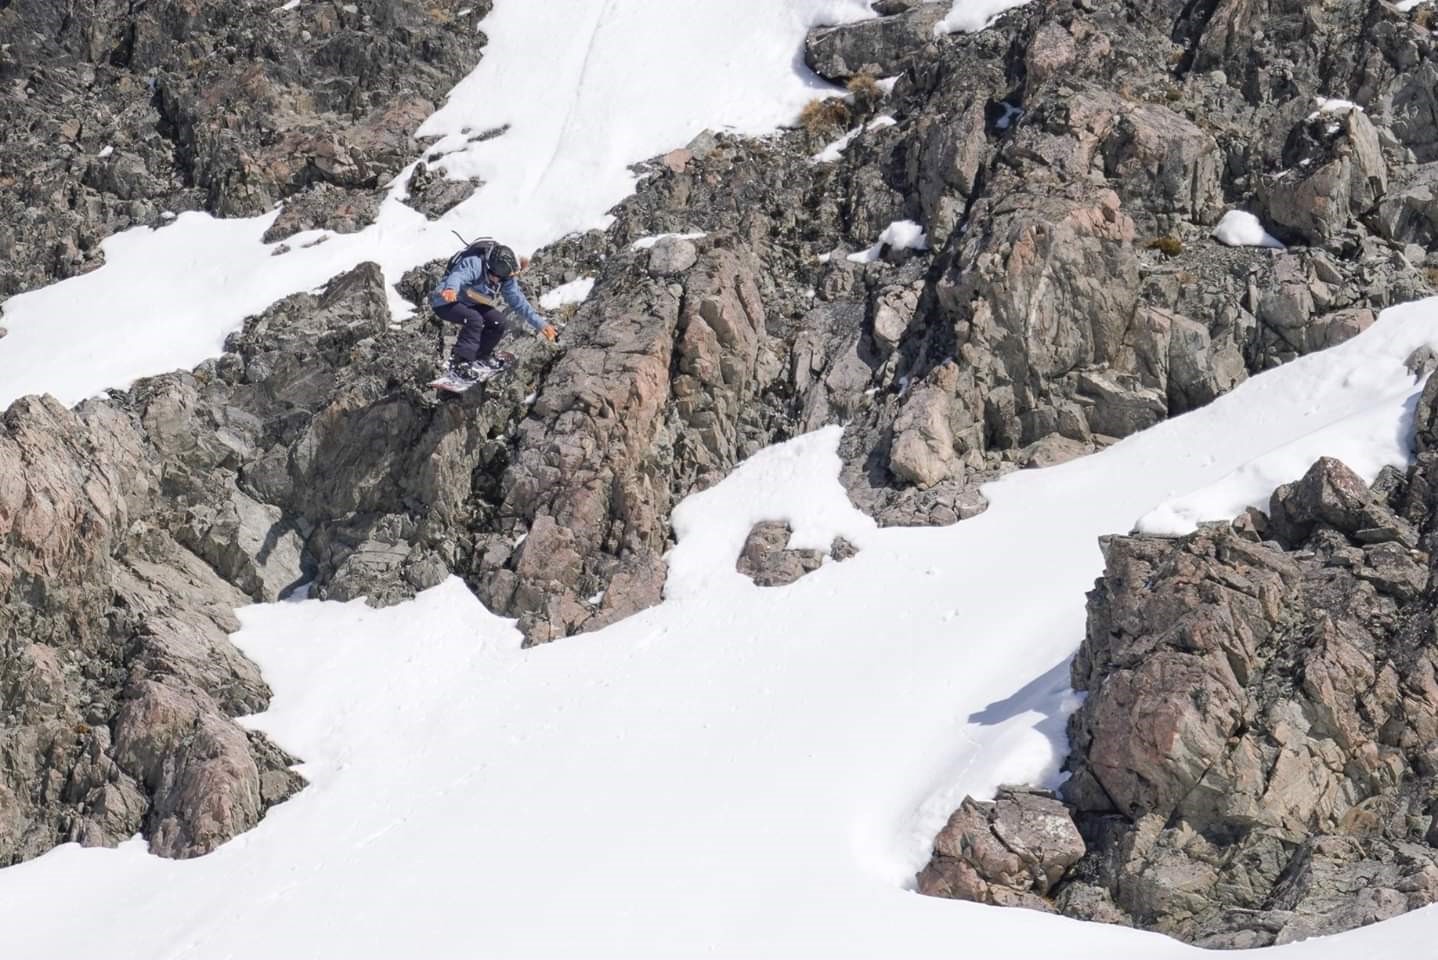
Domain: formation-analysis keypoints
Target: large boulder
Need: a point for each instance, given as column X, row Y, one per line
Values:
column 1008, row 852
column 876, row 47
column 1164, row 161
column 1257, row 732
column 1335, row 174
column 120, row 683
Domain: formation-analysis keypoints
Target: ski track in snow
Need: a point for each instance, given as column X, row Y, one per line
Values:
column 740, row 772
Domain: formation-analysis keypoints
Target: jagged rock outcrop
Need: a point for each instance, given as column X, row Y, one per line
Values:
column 877, row 48
column 1008, row 853
column 1073, row 284
column 1252, row 764
column 116, row 114
column 134, row 525
column 1254, row 760
column 769, row 561
column 118, row 680
column 1334, row 174
column 1040, row 323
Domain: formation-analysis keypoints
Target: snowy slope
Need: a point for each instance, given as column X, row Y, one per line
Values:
column 587, row 88
column 739, row 772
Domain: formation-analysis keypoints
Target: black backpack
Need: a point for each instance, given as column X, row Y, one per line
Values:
column 481, row 248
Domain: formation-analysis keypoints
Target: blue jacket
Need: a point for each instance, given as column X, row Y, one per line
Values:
column 470, row 281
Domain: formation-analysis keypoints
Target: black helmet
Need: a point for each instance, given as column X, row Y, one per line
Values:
column 502, row 262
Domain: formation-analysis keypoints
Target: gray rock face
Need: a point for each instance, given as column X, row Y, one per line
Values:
column 1009, row 853
column 1165, row 158
column 113, row 113
column 607, row 402
column 119, row 682
column 1253, row 763
column 769, row 562
column 1255, row 738
column 1408, row 212
column 1336, row 174
column 326, row 207
column 879, row 48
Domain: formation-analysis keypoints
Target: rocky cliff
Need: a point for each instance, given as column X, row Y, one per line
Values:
column 115, row 114
column 1254, row 761
column 1067, row 293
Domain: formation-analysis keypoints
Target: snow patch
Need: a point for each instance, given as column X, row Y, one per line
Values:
column 575, row 291
column 835, row 150
column 899, row 235
column 971, row 16
column 1009, row 117
column 105, row 152
column 1332, row 106
column 644, row 243
column 1239, row 228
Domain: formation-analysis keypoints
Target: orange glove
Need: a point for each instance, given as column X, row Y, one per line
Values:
column 448, row 296
column 549, row 332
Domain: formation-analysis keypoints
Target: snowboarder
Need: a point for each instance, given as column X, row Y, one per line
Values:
column 469, row 296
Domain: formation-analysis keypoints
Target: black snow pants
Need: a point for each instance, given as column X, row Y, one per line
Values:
column 482, row 329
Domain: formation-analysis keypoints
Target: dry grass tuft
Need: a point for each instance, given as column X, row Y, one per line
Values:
column 825, row 116
column 1168, row 245
column 866, row 92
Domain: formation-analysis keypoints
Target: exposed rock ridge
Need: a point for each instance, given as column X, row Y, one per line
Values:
column 1257, row 756
column 118, row 680
column 116, row 114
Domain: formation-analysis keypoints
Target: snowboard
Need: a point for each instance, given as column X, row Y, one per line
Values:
column 454, row 385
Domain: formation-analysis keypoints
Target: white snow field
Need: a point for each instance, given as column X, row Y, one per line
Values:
column 738, row 773
column 586, row 87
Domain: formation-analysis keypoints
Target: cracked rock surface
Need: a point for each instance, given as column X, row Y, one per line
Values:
column 1254, row 762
